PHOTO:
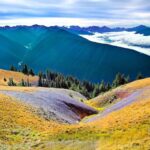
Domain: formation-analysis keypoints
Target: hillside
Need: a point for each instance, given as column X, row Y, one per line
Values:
column 24, row 35
column 11, row 52
column 79, row 57
column 17, row 77
column 119, row 93
column 84, row 59
column 29, row 128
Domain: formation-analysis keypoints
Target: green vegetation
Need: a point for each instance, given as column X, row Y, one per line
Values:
column 58, row 80
column 11, row 82
column 12, row 68
column 88, row 89
column 24, row 69
column 22, row 83
column 139, row 76
column 120, row 79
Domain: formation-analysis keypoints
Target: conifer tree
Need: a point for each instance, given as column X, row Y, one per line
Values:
column 102, row 87
column 12, row 68
column 40, row 83
column 31, row 72
column 139, row 76
column 25, row 69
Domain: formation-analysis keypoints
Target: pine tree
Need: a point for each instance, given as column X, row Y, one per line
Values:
column 25, row 69
column 31, row 72
column 108, row 87
column 96, row 91
column 102, row 87
column 22, row 83
column 28, row 82
column 119, row 80
column 12, row 68
column 40, row 82
column 139, row 76
column 127, row 79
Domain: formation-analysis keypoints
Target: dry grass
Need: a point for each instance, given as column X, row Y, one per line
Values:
column 16, row 116
column 128, row 128
column 19, row 89
column 17, row 76
column 110, row 97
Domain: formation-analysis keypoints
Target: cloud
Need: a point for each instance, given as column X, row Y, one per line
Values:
column 67, row 21
column 131, row 40
column 111, row 10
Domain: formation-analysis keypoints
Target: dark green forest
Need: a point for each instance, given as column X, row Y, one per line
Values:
column 58, row 80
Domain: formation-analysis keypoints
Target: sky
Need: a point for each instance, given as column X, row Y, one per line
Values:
column 75, row 12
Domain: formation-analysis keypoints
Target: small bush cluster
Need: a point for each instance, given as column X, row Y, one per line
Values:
column 22, row 83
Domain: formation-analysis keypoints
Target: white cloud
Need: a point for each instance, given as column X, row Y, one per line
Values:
column 67, row 21
column 115, row 11
column 131, row 40
column 50, row 21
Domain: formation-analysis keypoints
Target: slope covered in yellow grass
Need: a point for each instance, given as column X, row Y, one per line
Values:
column 124, row 129
column 117, row 94
column 20, row 125
column 17, row 77
column 127, row 128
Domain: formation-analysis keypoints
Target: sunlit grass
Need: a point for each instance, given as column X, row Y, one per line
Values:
column 17, row 77
column 128, row 128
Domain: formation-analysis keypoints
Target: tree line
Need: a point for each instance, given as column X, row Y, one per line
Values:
column 58, row 80
column 24, row 69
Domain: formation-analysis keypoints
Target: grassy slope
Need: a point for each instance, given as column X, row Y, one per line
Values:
column 127, row 128
column 20, row 126
column 104, row 100
column 17, row 76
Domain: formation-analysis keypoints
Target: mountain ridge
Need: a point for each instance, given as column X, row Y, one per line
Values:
column 70, row 54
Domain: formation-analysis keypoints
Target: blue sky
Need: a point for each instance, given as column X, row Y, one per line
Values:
column 75, row 12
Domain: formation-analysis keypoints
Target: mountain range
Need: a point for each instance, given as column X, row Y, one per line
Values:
column 59, row 50
column 92, row 29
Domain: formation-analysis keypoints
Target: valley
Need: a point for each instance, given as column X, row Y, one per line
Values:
column 50, row 118
column 59, row 90
column 74, row 75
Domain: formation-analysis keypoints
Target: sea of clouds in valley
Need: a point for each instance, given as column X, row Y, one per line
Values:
column 131, row 40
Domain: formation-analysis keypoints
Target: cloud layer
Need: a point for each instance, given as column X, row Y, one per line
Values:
column 131, row 40
column 114, row 11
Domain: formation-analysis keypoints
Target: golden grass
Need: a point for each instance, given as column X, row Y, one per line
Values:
column 128, row 128
column 14, row 113
column 117, row 94
column 17, row 76
column 19, row 89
